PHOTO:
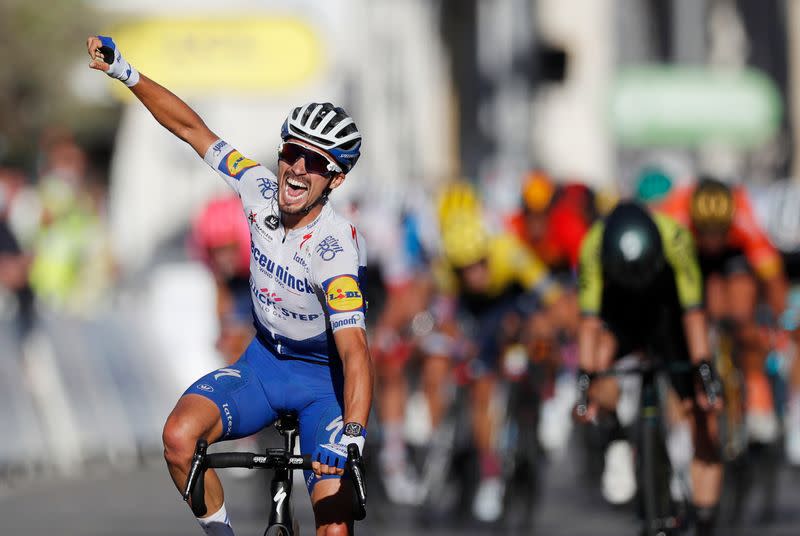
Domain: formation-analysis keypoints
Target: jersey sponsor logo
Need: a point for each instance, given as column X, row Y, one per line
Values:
column 354, row 321
column 268, row 188
column 269, row 302
column 344, row 295
column 218, row 148
column 251, row 217
column 300, row 260
column 305, row 239
column 271, row 221
column 205, row 387
column 279, row 273
column 328, row 248
column 234, row 164
column 228, row 419
column 227, row 372
column 335, row 427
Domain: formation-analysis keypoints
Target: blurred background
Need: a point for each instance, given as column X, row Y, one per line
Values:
column 111, row 297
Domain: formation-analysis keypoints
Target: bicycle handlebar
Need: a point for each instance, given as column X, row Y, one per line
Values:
column 272, row 459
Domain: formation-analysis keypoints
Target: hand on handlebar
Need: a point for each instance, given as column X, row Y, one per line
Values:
column 708, row 387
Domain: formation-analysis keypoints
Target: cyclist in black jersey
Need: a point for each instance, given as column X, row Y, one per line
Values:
column 640, row 288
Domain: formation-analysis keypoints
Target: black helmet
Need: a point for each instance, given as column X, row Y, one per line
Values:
column 632, row 252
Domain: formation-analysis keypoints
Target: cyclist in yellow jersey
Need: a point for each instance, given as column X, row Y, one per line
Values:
column 497, row 292
column 640, row 288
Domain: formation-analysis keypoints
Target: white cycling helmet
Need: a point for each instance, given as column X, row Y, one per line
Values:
column 326, row 127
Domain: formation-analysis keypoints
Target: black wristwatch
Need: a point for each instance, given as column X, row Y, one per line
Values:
column 353, row 429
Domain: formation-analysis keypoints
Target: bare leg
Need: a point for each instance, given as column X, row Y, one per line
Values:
column 193, row 417
column 332, row 501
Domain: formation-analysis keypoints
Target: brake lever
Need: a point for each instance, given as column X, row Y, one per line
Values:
column 354, row 461
column 196, row 468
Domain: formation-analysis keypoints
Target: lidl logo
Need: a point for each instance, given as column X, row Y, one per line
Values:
column 236, row 164
column 343, row 294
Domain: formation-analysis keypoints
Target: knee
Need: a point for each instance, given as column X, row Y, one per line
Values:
column 179, row 439
column 337, row 529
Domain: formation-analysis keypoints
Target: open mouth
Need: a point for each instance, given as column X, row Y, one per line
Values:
column 295, row 189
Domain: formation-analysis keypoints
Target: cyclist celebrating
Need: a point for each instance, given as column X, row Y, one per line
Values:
column 310, row 353
column 640, row 288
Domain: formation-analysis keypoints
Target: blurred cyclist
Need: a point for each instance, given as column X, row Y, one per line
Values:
column 310, row 354
column 494, row 292
column 554, row 219
column 640, row 289
column 221, row 238
column 735, row 255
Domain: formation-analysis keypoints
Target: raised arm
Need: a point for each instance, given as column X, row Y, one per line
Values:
column 167, row 108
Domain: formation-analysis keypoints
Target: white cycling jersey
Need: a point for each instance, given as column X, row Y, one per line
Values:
column 305, row 283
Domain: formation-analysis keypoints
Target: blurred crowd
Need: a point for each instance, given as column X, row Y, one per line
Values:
column 55, row 247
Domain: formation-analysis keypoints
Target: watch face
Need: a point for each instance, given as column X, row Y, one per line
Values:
column 352, row 429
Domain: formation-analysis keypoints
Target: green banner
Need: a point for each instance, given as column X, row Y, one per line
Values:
column 693, row 106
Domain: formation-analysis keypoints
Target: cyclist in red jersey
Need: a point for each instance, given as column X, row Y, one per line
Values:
column 220, row 237
column 553, row 219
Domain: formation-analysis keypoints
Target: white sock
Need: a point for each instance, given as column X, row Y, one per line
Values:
column 394, row 450
column 217, row 524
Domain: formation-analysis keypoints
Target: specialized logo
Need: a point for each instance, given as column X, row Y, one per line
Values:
column 279, row 498
column 205, row 387
column 335, row 427
column 268, row 188
column 304, row 240
column 344, row 295
column 328, row 248
column 227, row 372
column 234, row 164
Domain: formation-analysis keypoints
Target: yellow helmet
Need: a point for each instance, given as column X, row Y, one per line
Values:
column 712, row 206
column 464, row 240
column 458, row 200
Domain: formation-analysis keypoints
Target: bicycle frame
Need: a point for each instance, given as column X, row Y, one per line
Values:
column 653, row 467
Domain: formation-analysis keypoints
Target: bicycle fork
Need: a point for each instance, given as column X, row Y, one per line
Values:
column 653, row 464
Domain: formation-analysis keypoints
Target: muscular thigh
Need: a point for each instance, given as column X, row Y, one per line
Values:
column 238, row 393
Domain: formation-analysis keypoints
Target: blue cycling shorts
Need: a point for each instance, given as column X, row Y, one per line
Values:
column 253, row 391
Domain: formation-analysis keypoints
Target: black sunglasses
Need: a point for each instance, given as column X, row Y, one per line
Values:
column 315, row 162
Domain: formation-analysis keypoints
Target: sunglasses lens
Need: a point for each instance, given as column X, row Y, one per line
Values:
column 315, row 162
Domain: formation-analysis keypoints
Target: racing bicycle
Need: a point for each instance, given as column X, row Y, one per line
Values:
column 661, row 515
column 283, row 462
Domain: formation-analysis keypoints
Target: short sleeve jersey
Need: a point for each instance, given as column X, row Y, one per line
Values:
column 679, row 252
column 305, row 283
